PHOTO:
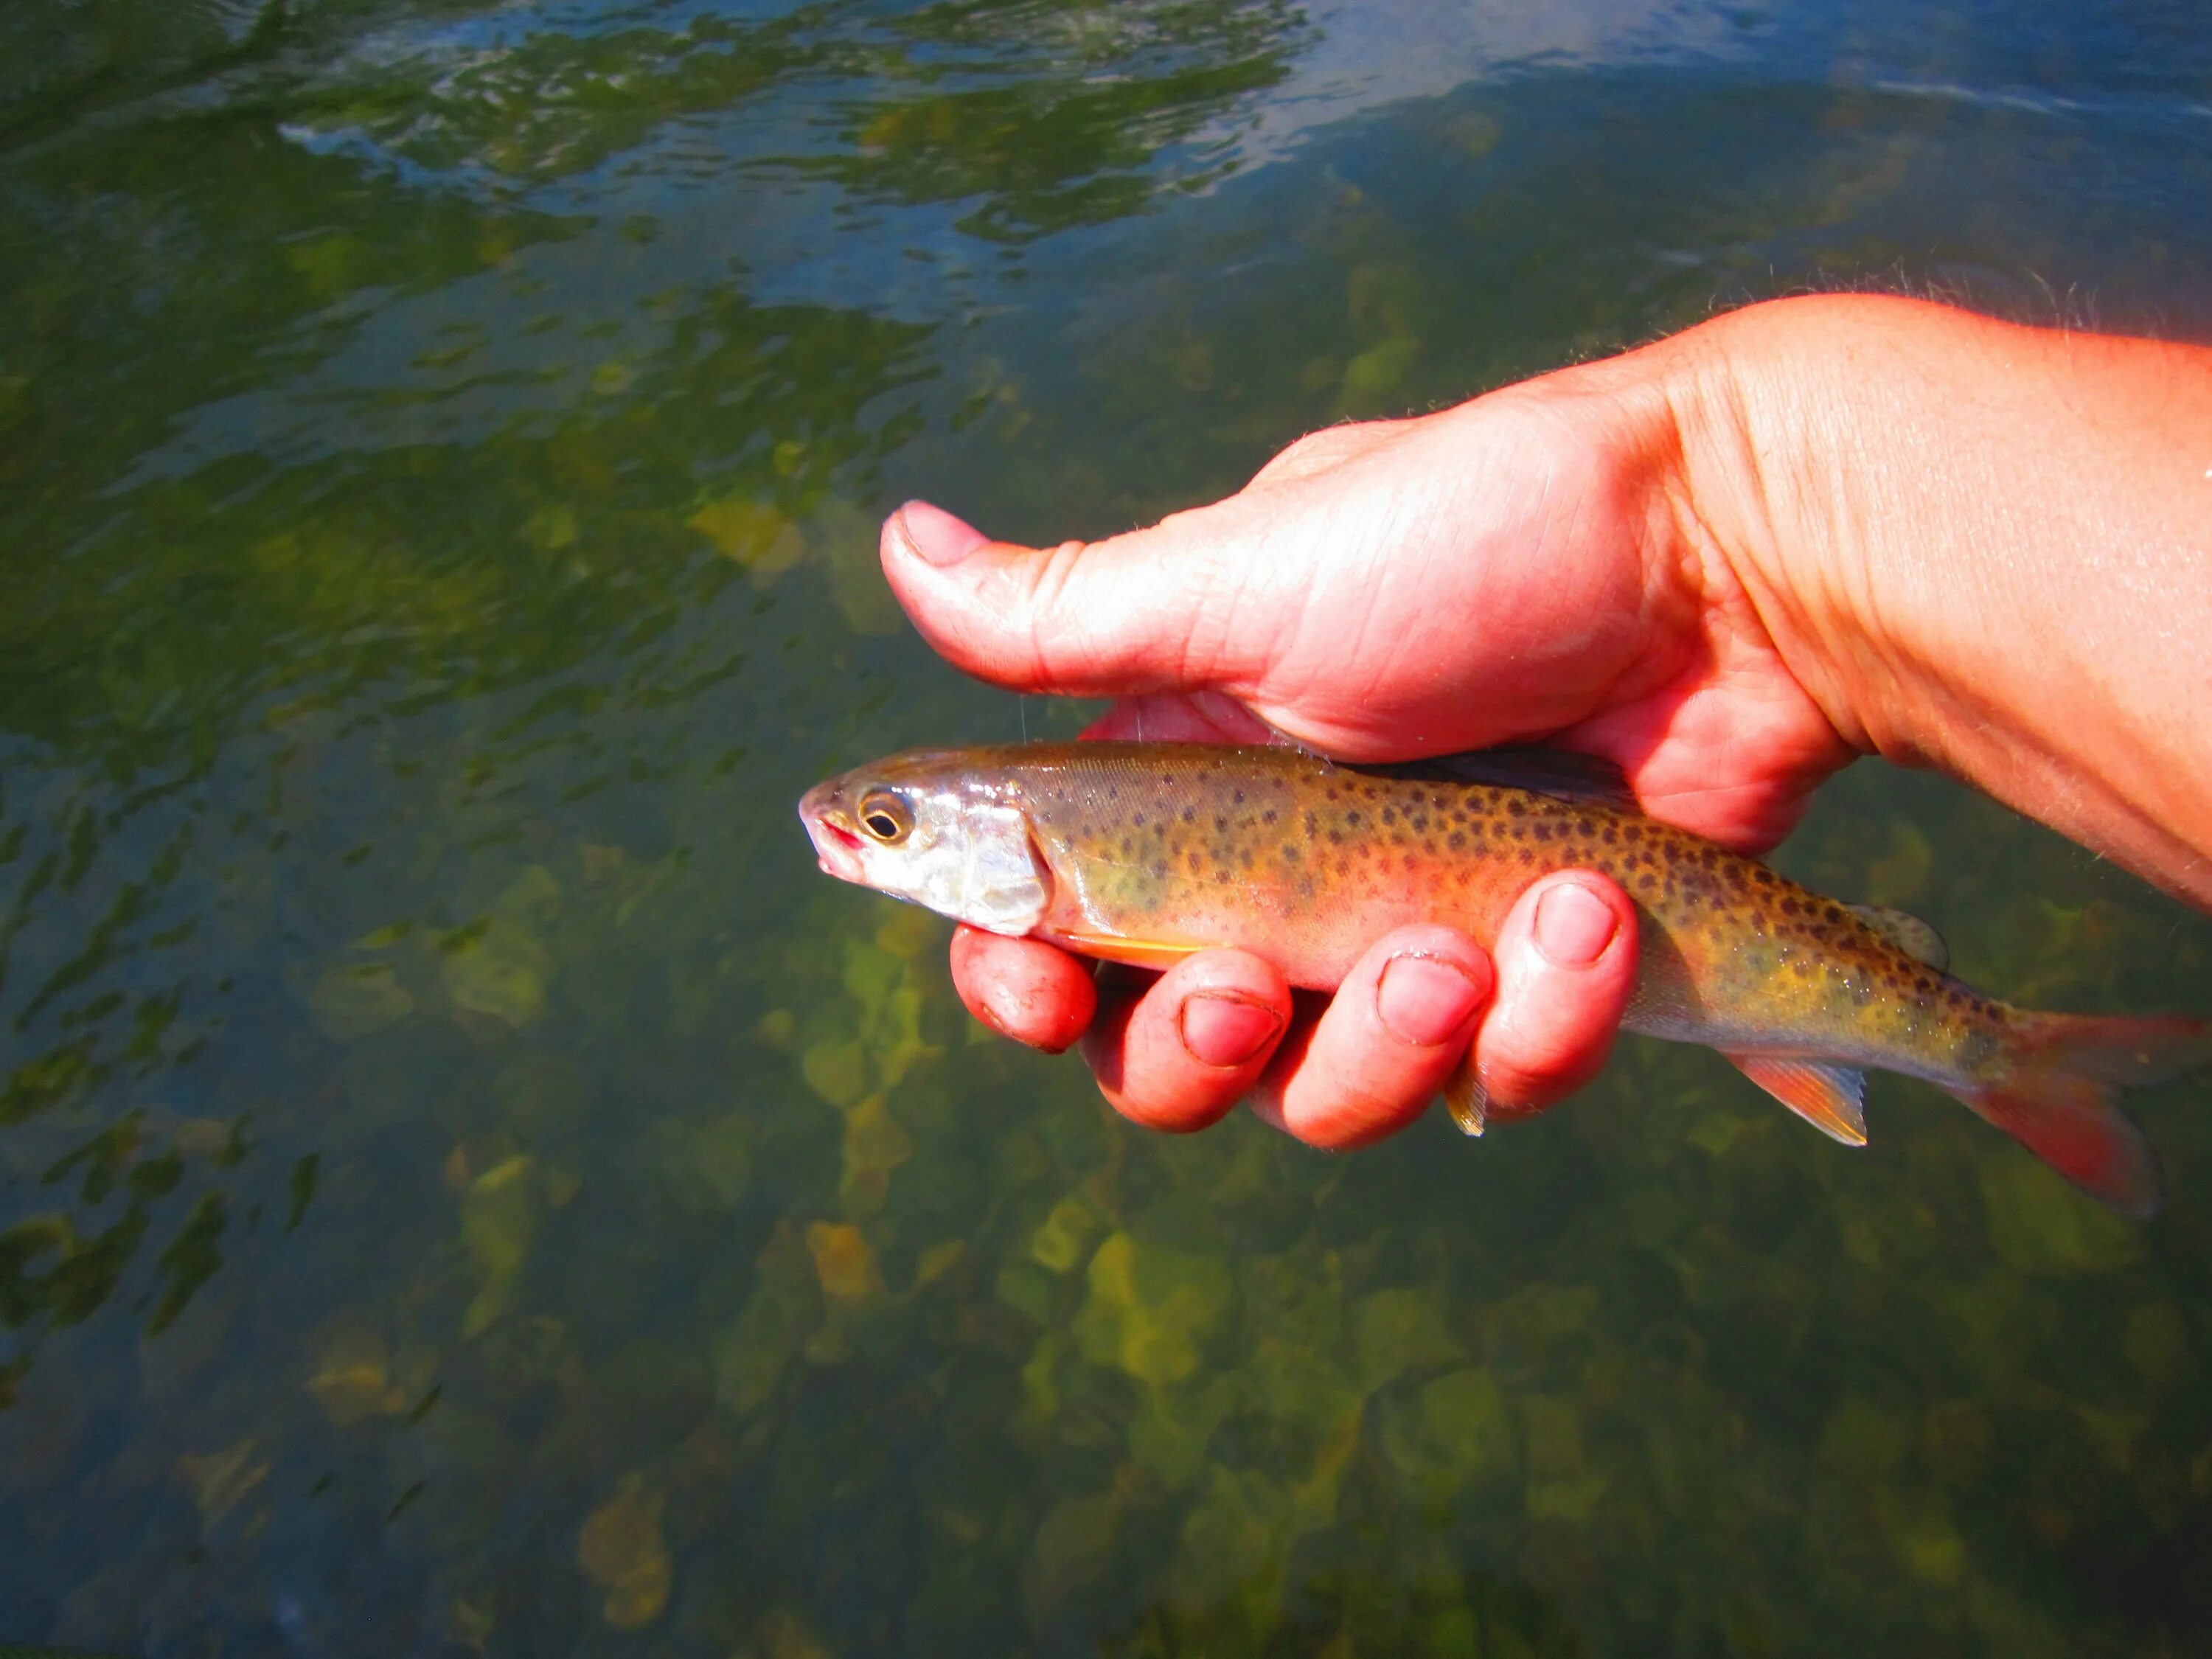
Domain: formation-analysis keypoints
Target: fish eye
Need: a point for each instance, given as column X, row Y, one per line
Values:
column 885, row 815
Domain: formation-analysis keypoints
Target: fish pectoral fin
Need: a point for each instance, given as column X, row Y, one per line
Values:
column 1465, row 1097
column 1826, row 1093
column 1917, row 939
column 1136, row 952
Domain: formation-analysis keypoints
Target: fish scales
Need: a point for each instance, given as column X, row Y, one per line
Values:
column 1146, row 853
column 1309, row 863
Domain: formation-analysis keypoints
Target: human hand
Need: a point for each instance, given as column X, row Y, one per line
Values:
column 1512, row 567
column 1727, row 562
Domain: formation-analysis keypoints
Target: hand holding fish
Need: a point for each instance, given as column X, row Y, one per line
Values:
column 1728, row 562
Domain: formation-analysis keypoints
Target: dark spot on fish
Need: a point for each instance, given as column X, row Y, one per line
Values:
column 1543, row 832
column 1587, row 826
column 1268, row 817
column 1220, row 825
column 1352, row 819
column 1128, row 846
column 1789, row 907
column 1138, row 819
column 1196, row 861
column 1518, row 809
column 1290, row 852
column 1631, row 834
column 1160, row 869
column 1610, row 835
column 1190, row 815
column 1389, row 815
column 1313, row 824
column 1336, row 838
column 1237, row 798
column 1458, row 841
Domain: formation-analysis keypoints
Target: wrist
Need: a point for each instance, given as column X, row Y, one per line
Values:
column 1976, row 545
column 1789, row 451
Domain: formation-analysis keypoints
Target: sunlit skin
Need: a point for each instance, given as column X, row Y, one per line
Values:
column 1730, row 562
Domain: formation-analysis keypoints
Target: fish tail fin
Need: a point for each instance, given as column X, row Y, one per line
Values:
column 2056, row 1092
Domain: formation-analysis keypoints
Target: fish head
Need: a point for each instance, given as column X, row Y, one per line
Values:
column 934, row 828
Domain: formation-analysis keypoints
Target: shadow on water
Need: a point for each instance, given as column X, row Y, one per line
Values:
column 465, row 1185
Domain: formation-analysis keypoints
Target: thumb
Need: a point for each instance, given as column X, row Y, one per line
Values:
column 1182, row 606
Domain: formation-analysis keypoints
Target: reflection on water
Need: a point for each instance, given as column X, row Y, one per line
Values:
column 465, row 1185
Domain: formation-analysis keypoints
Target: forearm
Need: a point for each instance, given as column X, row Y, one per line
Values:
column 1981, row 547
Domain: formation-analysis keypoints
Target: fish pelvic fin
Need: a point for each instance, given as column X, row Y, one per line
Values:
column 1465, row 1097
column 2056, row 1094
column 1111, row 947
column 1826, row 1093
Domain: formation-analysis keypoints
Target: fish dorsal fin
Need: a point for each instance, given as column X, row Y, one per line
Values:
column 1825, row 1093
column 1465, row 1097
column 1579, row 779
column 1907, row 933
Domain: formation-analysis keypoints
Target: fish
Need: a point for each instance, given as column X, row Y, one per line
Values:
column 1144, row 853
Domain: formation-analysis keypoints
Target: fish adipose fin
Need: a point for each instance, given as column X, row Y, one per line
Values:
column 1579, row 779
column 2055, row 1096
column 1826, row 1094
column 1916, row 938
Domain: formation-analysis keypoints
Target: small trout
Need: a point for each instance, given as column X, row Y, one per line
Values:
column 1145, row 852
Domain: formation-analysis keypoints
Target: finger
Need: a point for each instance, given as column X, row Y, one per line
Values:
column 1178, row 1053
column 1567, row 963
column 1193, row 717
column 1023, row 988
column 1317, row 452
column 1390, row 1036
column 1181, row 605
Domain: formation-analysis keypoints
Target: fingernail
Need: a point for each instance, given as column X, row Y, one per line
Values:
column 1574, row 924
column 936, row 535
column 1227, row 1031
column 1426, row 1000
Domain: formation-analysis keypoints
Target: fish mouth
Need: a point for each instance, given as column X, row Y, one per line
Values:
column 836, row 849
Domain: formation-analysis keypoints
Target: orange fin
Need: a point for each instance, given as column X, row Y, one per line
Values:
column 1826, row 1093
column 2055, row 1097
column 1465, row 1097
column 1137, row 952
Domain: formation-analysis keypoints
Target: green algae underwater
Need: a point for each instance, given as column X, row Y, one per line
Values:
column 467, row 1187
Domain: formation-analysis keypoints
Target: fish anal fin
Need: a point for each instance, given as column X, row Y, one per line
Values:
column 1916, row 938
column 1465, row 1097
column 1136, row 952
column 1826, row 1093
column 1579, row 779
